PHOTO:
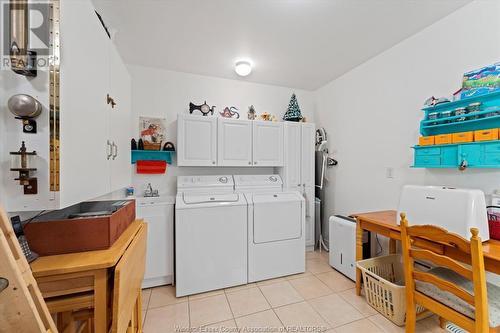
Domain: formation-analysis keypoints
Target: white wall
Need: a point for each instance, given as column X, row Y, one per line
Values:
column 161, row 93
column 11, row 136
column 372, row 113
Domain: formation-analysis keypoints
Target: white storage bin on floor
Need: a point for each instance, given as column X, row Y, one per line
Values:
column 383, row 282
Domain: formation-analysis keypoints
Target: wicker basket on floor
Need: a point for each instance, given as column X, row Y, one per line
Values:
column 383, row 282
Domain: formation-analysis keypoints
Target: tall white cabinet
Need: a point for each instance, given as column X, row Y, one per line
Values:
column 298, row 169
column 95, row 132
column 93, row 136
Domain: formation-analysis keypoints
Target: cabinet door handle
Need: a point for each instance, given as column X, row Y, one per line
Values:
column 249, row 163
column 115, row 149
column 213, row 162
column 254, row 162
column 109, row 150
column 111, row 101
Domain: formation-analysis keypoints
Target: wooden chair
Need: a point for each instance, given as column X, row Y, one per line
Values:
column 452, row 290
column 22, row 304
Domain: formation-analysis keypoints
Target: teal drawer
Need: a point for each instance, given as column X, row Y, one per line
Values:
column 492, row 147
column 492, row 159
column 427, row 161
column 471, row 154
column 449, row 156
column 427, row 151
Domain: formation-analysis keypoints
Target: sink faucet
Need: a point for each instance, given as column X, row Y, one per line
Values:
column 150, row 192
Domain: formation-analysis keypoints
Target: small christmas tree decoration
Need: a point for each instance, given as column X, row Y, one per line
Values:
column 293, row 111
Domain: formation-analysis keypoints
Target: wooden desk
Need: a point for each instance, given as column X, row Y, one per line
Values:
column 73, row 273
column 386, row 223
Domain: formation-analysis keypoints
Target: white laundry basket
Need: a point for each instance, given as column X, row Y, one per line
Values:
column 383, row 282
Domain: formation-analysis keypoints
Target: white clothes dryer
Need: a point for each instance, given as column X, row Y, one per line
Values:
column 276, row 227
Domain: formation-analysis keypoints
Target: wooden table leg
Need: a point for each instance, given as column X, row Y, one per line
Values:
column 138, row 306
column 392, row 246
column 100, row 301
column 359, row 255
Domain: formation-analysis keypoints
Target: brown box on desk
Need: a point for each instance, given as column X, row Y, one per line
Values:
column 87, row 226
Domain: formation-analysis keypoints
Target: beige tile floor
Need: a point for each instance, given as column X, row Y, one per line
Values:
column 320, row 299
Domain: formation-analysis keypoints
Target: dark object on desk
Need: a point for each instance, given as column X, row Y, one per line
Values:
column 75, row 229
column 133, row 144
column 169, row 146
column 18, row 230
column 140, row 145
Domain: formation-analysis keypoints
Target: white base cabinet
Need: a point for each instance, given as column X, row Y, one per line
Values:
column 216, row 141
column 160, row 244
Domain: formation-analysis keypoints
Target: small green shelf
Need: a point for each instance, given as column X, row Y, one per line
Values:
column 152, row 155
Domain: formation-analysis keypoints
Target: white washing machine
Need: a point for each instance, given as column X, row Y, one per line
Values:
column 210, row 235
column 276, row 227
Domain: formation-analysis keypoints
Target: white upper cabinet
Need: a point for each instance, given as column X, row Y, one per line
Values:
column 212, row 141
column 267, row 143
column 196, row 140
column 308, row 155
column 119, row 121
column 234, row 142
column 293, row 144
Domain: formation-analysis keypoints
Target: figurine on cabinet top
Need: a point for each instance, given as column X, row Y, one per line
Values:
column 251, row 113
column 266, row 116
column 203, row 108
column 230, row 112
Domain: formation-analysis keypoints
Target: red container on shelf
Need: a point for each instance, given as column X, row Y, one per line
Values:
column 151, row 167
column 494, row 222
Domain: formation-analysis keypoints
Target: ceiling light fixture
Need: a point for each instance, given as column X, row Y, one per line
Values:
column 243, row 67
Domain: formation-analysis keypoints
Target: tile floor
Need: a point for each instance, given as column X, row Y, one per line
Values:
column 320, row 299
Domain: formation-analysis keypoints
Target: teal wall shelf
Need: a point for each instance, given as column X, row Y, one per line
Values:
column 477, row 154
column 152, row 155
column 487, row 117
column 484, row 154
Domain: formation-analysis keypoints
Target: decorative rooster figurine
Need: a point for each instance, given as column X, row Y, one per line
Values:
column 230, row 112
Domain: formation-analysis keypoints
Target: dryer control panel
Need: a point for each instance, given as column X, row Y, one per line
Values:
column 258, row 181
column 212, row 184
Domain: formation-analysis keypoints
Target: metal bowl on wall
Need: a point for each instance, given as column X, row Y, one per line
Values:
column 24, row 106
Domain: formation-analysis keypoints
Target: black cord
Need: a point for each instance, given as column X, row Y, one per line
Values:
column 34, row 217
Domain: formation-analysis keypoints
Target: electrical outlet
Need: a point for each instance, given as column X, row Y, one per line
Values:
column 389, row 172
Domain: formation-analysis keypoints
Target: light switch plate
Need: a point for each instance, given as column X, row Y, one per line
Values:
column 389, row 172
